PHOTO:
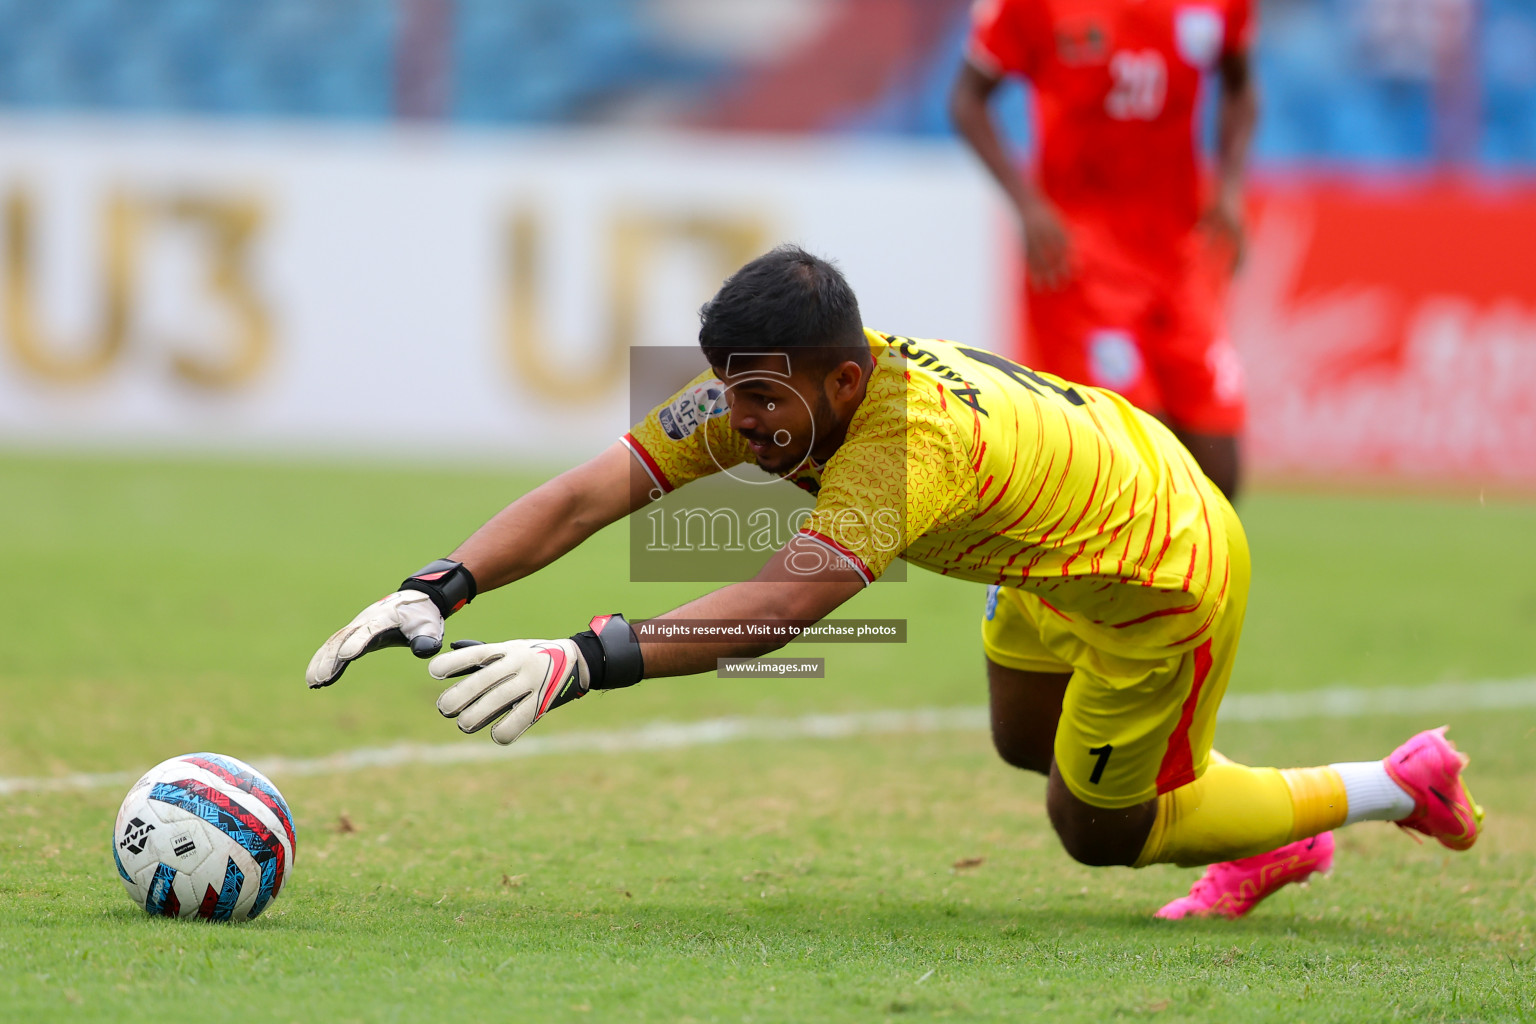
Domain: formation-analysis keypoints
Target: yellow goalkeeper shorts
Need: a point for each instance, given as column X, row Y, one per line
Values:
column 1130, row 729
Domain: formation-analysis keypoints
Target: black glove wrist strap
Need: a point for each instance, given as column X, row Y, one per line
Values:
column 446, row 582
column 612, row 653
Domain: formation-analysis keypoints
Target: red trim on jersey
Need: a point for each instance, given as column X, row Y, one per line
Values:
column 1045, row 478
column 1194, row 551
column 657, row 476
column 1053, row 609
column 1162, row 614
column 1162, row 552
column 853, row 559
column 1146, row 549
column 1097, row 561
column 1216, row 607
column 1029, row 567
column 1178, row 767
column 999, row 496
column 1130, row 516
column 1011, row 471
column 1060, row 482
column 1071, row 451
column 1092, row 493
column 985, row 540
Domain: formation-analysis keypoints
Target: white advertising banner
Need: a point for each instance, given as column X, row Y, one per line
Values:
column 428, row 293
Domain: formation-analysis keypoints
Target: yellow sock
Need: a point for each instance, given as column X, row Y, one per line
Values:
column 1235, row 811
column 1318, row 800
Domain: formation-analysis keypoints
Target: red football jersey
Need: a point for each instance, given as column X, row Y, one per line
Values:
column 1116, row 84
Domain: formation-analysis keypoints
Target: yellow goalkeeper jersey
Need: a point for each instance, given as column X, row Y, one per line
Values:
column 970, row 465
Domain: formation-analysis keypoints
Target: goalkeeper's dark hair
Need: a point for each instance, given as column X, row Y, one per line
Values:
column 786, row 300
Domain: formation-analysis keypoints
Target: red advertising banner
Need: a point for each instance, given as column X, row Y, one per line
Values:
column 1391, row 331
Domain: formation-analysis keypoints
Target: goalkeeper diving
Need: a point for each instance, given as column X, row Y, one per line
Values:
column 1114, row 579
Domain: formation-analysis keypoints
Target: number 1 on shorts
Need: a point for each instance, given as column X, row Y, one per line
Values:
column 1102, row 753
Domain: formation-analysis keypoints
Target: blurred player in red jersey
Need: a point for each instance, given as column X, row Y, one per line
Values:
column 1126, row 255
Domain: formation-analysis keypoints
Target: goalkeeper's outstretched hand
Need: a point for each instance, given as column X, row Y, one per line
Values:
column 407, row 618
column 522, row 680
column 411, row 617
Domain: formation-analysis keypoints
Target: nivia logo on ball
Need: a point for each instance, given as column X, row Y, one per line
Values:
column 135, row 836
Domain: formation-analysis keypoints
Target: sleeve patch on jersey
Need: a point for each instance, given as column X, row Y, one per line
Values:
column 1199, row 33
column 688, row 411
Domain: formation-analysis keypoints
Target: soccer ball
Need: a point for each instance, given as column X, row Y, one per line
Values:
column 204, row 835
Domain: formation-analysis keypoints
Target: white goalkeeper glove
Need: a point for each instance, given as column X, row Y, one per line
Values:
column 405, row 618
column 411, row 617
column 521, row 679
column 524, row 680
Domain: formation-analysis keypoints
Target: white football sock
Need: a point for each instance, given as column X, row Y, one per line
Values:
column 1372, row 794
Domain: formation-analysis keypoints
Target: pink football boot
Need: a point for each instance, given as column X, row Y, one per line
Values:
column 1429, row 768
column 1232, row 888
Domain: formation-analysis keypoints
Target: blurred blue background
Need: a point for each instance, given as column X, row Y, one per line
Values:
column 1368, row 83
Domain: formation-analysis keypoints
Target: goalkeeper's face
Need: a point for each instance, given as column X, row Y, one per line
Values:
column 785, row 417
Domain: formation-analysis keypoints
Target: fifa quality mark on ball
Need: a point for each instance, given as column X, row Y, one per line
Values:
column 204, row 836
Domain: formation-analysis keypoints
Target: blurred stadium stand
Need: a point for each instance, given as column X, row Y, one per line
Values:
column 1352, row 82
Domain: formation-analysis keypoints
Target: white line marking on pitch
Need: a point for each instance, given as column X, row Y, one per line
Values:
column 1255, row 707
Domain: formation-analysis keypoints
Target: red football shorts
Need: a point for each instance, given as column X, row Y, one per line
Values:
column 1148, row 327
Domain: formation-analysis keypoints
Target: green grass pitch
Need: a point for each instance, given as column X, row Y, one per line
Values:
column 152, row 607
